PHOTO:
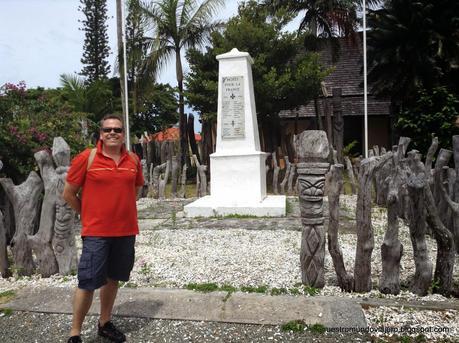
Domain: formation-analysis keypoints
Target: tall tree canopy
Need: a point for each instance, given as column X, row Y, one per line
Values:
column 157, row 109
column 141, row 77
column 178, row 25
column 94, row 100
column 284, row 75
column 321, row 18
column 95, row 48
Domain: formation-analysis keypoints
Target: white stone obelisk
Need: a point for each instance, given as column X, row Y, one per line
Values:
column 237, row 168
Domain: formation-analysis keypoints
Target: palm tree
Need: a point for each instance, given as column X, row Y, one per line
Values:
column 119, row 37
column 322, row 18
column 177, row 25
column 94, row 99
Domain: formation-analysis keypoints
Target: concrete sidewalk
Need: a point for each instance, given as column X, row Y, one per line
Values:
column 179, row 304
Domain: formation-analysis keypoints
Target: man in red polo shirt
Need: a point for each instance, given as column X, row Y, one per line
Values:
column 109, row 179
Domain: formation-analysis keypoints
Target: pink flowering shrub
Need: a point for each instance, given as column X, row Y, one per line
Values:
column 29, row 121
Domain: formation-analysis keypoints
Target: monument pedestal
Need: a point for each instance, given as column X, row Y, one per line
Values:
column 237, row 168
column 238, row 187
column 271, row 206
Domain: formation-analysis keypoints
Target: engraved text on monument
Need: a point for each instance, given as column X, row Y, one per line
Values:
column 233, row 107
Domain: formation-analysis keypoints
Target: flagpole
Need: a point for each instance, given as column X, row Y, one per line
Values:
column 365, row 100
column 126, row 100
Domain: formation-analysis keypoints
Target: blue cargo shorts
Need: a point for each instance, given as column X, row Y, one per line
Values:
column 105, row 257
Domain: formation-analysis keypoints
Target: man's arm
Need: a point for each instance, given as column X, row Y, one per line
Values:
column 138, row 191
column 70, row 196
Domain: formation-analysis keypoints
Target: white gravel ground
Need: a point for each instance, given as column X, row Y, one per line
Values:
column 240, row 257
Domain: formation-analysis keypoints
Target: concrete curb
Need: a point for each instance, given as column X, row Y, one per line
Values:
column 182, row 304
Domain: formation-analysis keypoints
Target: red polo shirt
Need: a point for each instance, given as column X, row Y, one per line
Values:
column 108, row 198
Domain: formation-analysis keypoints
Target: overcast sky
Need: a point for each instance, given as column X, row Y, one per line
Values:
column 40, row 39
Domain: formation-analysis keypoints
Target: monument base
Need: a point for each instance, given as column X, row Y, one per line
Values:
column 208, row 206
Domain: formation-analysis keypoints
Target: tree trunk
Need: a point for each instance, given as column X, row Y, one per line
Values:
column 445, row 239
column 338, row 129
column 164, row 145
column 291, row 177
column 327, row 111
column 391, row 248
column 287, row 173
column 335, row 183
column 8, row 215
column 201, row 179
column 456, row 192
column 175, row 175
column 350, row 173
column 206, row 135
column 41, row 241
column 182, row 193
column 163, row 181
column 150, row 148
column 191, row 137
column 403, row 199
column 154, row 187
column 4, row 271
column 318, row 117
column 381, row 186
column 182, row 116
column 416, row 183
column 365, row 238
column 275, row 174
column 445, row 246
column 442, row 207
column 119, row 38
column 25, row 199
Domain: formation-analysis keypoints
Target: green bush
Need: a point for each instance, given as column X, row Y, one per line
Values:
column 433, row 112
column 29, row 121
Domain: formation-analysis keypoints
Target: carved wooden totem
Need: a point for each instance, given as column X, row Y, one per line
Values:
column 338, row 123
column 64, row 238
column 312, row 151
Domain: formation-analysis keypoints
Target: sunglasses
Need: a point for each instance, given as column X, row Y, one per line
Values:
column 110, row 129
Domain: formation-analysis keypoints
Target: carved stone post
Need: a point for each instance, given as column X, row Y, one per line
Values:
column 312, row 151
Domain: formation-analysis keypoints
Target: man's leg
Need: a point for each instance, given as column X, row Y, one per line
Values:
column 82, row 301
column 107, row 299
